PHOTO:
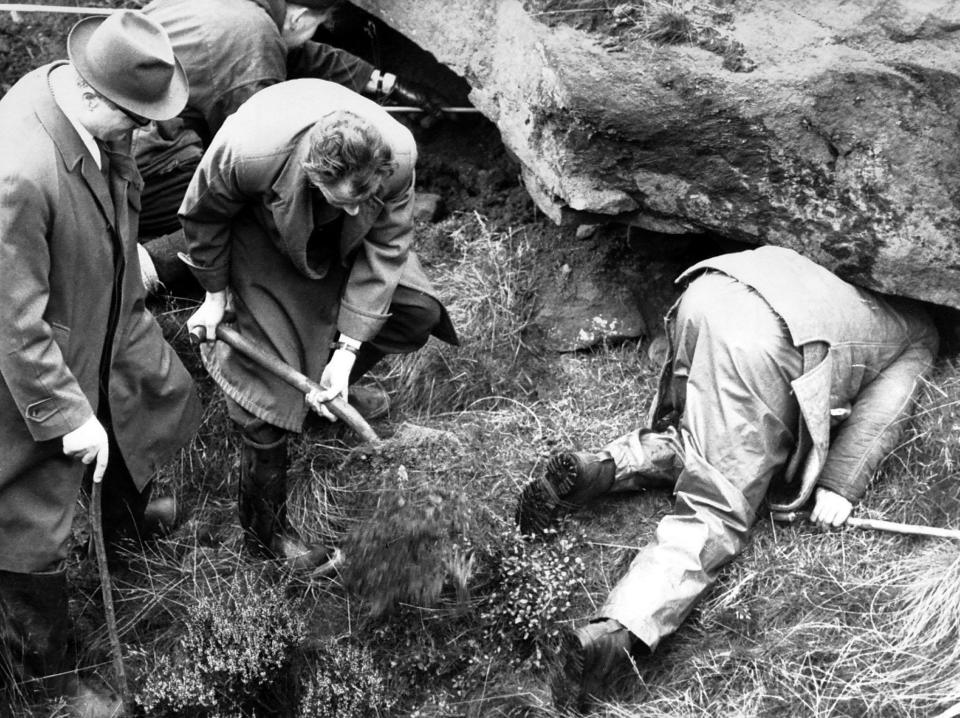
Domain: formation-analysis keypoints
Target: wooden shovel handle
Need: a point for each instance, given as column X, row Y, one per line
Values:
column 256, row 353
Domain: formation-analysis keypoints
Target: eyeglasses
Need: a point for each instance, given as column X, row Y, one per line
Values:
column 138, row 120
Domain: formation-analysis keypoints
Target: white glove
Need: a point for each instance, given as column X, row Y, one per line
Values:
column 148, row 272
column 830, row 509
column 88, row 442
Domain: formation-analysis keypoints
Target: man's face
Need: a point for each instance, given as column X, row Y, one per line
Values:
column 105, row 120
column 345, row 195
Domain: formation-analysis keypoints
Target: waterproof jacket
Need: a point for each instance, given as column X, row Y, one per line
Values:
column 863, row 356
column 299, row 269
column 69, row 279
column 231, row 49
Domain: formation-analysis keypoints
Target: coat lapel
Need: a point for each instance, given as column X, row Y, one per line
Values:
column 293, row 212
column 72, row 148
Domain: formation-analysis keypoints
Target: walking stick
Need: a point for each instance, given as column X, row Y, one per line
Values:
column 106, row 587
column 876, row 525
column 256, row 353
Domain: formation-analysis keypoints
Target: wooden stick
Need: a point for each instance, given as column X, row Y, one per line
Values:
column 898, row 528
column 337, row 406
column 876, row 525
column 106, row 588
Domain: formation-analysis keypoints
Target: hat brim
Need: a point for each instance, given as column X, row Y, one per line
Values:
column 167, row 108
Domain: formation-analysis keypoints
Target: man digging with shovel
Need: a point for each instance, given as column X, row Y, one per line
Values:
column 300, row 215
column 779, row 374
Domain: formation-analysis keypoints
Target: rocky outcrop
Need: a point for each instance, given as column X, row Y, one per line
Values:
column 828, row 127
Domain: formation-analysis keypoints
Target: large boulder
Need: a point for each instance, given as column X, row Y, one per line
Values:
column 828, row 127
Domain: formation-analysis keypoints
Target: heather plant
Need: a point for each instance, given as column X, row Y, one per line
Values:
column 345, row 683
column 234, row 644
column 531, row 589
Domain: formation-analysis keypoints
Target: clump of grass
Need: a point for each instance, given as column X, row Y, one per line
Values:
column 233, row 644
column 405, row 549
column 671, row 27
column 487, row 287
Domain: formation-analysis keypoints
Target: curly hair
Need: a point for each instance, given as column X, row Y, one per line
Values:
column 343, row 145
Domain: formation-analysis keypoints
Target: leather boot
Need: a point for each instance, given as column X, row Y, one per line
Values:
column 263, row 494
column 570, row 480
column 370, row 401
column 263, row 510
column 35, row 625
column 591, row 660
column 37, row 662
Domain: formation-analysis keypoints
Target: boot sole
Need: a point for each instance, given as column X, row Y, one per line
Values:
column 542, row 500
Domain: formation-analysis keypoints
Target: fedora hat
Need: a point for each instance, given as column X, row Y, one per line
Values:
column 128, row 58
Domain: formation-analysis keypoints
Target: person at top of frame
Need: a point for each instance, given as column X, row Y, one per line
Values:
column 230, row 49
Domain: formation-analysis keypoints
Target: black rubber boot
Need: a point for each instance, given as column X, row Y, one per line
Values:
column 263, row 494
column 571, row 479
column 263, row 510
column 35, row 664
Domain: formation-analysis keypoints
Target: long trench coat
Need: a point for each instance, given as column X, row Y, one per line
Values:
column 299, row 269
column 69, row 279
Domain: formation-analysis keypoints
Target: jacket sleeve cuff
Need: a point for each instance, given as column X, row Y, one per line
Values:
column 212, row 279
column 359, row 324
column 49, row 419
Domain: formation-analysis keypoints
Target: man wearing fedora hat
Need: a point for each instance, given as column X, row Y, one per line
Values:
column 89, row 386
column 230, row 49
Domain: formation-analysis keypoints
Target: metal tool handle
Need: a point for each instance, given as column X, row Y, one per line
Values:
column 256, row 353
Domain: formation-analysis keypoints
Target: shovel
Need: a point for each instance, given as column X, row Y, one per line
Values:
column 256, row 353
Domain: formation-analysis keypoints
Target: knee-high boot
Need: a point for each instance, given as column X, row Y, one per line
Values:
column 35, row 631
column 37, row 660
column 263, row 510
column 263, row 494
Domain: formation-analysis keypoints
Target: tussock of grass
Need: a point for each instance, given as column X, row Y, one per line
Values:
column 486, row 283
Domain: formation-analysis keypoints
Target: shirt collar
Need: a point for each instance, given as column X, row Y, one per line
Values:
column 56, row 83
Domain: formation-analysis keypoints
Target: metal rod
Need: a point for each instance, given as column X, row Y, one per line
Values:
column 876, row 525
column 65, row 9
column 450, row 110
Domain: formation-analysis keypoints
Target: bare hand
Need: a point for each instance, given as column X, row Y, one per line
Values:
column 88, row 442
column 203, row 322
column 830, row 509
column 334, row 382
